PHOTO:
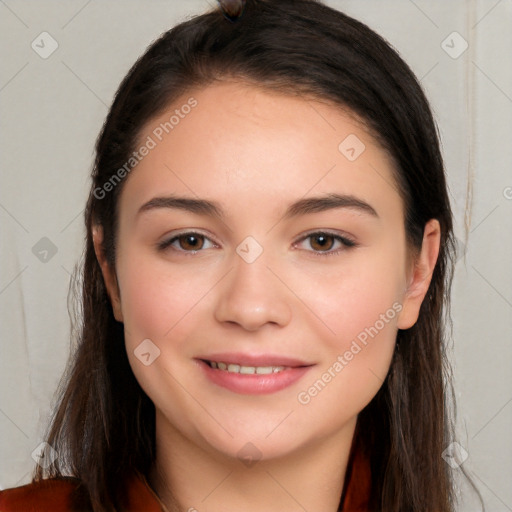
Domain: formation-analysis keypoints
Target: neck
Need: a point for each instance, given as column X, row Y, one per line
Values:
column 188, row 478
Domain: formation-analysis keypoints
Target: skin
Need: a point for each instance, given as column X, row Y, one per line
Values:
column 254, row 152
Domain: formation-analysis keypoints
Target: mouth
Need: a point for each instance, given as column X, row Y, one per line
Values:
column 254, row 375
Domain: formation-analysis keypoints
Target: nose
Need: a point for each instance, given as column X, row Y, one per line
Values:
column 251, row 296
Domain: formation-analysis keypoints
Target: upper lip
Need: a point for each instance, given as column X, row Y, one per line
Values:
column 255, row 360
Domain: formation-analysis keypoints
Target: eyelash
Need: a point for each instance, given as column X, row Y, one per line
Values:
column 348, row 243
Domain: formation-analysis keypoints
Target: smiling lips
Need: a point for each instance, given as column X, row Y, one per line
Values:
column 253, row 374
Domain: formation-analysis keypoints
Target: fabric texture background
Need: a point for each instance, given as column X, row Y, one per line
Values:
column 53, row 99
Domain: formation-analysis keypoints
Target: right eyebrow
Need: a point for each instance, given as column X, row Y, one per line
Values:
column 199, row 206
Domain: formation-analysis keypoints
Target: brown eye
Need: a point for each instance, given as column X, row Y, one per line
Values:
column 191, row 242
column 322, row 241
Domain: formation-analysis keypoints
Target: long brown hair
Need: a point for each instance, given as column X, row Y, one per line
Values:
column 104, row 426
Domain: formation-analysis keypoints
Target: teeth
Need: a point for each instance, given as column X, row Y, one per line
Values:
column 264, row 370
column 246, row 370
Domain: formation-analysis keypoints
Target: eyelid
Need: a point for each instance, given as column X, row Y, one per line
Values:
column 174, row 235
column 347, row 241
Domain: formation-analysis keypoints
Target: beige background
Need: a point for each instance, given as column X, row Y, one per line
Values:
column 52, row 110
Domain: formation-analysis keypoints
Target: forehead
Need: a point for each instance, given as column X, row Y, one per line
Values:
column 242, row 145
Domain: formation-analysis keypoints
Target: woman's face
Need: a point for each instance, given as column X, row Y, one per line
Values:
column 263, row 233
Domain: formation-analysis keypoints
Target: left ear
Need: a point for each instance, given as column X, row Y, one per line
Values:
column 421, row 275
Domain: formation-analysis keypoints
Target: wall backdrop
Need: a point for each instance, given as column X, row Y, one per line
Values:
column 61, row 63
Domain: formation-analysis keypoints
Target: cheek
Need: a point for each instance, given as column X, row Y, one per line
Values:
column 359, row 309
column 158, row 300
column 350, row 298
column 355, row 361
column 159, row 303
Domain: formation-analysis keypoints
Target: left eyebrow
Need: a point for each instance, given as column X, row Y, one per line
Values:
column 329, row 202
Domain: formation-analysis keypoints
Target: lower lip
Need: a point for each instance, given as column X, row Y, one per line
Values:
column 253, row 384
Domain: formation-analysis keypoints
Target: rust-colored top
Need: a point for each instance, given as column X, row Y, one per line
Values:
column 55, row 495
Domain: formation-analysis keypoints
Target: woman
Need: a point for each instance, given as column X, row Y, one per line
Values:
column 268, row 261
